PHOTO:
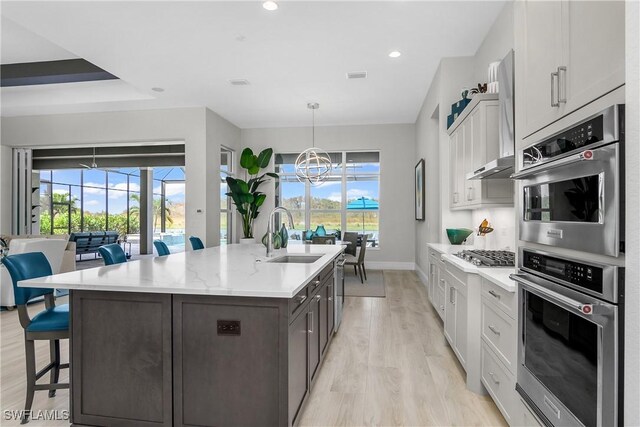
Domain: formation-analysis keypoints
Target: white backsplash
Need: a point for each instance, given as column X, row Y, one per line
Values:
column 503, row 222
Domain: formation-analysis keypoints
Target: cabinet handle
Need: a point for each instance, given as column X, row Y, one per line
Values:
column 318, row 297
column 494, row 330
column 470, row 194
column 442, row 307
column 562, row 84
column 493, row 377
column 330, row 298
column 301, row 299
column 452, row 296
column 554, row 82
column 315, row 283
column 494, row 294
column 455, row 197
column 311, row 327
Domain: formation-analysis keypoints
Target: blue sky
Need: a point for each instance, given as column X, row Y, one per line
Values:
column 95, row 180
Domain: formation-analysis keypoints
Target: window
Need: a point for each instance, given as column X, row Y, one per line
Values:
column 347, row 200
column 226, row 218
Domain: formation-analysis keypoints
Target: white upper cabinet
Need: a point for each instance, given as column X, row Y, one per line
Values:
column 568, row 53
column 473, row 143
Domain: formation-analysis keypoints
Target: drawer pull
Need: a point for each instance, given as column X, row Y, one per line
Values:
column 315, row 283
column 494, row 294
column 493, row 377
column 310, row 314
column 318, row 297
column 301, row 299
column 442, row 307
column 494, row 330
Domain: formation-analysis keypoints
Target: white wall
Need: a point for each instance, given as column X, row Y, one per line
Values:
column 202, row 131
column 632, row 229
column 397, row 156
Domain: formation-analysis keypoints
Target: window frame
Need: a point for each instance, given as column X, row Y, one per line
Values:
column 343, row 190
column 228, row 210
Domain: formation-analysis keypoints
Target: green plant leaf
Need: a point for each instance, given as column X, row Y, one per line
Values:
column 247, row 159
column 259, row 200
column 243, row 186
column 264, row 157
column 273, row 175
column 254, row 169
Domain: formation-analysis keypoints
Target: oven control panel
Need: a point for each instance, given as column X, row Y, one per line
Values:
column 579, row 274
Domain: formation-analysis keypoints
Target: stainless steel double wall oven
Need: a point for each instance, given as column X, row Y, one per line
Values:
column 570, row 342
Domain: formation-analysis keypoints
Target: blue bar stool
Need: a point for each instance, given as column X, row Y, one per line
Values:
column 196, row 243
column 161, row 247
column 51, row 324
column 112, row 254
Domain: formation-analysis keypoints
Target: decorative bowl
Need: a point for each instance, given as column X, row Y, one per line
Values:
column 458, row 235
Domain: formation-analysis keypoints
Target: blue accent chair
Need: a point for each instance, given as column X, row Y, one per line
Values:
column 196, row 243
column 112, row 254
column 161, row 247
column 51, row 324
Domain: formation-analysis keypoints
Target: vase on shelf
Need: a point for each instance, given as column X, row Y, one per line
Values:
column 320, row 231
column 284, row 235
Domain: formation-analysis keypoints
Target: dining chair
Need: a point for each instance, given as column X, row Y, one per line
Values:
column 161, row 247
column 358, row 261
column 51, row 324
column 352, row 238
column 196, row 243
column 112, row 254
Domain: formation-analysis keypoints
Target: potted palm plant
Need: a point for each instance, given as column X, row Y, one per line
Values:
column 245, row 193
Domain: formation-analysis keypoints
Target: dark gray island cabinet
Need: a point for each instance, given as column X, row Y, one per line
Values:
column 170, row 359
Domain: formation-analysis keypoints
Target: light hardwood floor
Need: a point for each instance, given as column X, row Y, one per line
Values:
column 389, row 365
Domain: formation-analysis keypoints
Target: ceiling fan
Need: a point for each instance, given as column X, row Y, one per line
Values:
column 94, row 165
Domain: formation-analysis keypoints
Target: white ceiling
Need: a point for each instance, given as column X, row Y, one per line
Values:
column 297, row 54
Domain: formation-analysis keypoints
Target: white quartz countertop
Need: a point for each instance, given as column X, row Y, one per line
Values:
column 232, row 270
column 497, row 275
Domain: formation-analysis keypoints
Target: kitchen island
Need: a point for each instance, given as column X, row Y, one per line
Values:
column 216, row 337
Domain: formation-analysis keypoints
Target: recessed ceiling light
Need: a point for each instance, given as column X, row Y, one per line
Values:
column 270, row 5
column 394, row 54
column 239, row 82
column 157, row 89
column 357, row 75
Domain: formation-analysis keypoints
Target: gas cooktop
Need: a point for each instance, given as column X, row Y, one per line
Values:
column 485, row 258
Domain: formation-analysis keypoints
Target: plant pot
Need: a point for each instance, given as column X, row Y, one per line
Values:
column 247, row 241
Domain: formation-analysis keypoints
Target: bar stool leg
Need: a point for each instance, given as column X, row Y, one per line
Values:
column 365, row 271
column 30, row 356
column 54, row 346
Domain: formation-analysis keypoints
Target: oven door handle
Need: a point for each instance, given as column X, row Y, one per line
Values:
column 585, row 309
column 586, row 155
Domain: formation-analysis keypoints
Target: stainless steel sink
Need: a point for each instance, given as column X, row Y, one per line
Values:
column 296, row 259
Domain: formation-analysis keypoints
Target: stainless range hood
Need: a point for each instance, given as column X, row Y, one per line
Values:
column 502, row 167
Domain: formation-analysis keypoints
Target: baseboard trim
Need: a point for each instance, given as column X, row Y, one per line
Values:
column 423, row 277
column 389, row 265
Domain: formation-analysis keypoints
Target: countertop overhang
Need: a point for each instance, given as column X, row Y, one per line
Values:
column 232, row 270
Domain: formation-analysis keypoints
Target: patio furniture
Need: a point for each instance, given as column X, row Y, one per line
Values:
column 358, row 261
column 112, row 254
column 89, row 242
column 51, row 324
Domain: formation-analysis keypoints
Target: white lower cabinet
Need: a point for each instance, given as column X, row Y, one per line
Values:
column 499, row 349
column 527, row 417
column 435, row 287
column 500, row 383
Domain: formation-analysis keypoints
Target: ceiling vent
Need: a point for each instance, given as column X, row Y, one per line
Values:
column 239, row 82
column 357, row 75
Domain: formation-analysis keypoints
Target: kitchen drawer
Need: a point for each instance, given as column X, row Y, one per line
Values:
column 529, row 419
column 499, row 333
column 504, row 300
column 298, row 301
column 439, row 301
column 500, row 384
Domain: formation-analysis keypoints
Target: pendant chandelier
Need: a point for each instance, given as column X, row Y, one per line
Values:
column 313, row 164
